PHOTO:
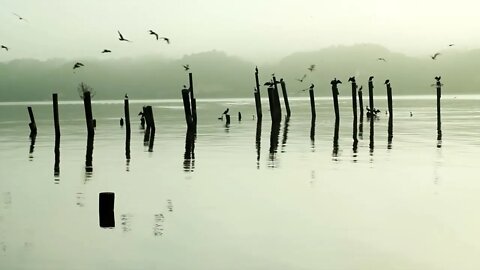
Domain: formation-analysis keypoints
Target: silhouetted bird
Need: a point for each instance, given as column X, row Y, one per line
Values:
column 311, row 68
column 77, row 65
column 360, row 89
column 387, row 82
column 438, row 78
column 20, row 17
column 4, row 47
column 106, row 51
column 121, row 38
column 351, row 79
column 153, row 33
column 226, row 111
column 271, row 83
column 166, row 39
column 382, row 59
column 303, row 78
column 256, row 69
column 312, row 86
column 451, row 45
column 335, row 81
column 126, row 96
column 186, row 67
column 434, row 57
column 370, row 78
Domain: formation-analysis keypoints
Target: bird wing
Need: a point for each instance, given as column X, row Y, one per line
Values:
column 120, row 34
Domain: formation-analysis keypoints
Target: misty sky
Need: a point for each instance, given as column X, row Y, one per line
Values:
column 253, row 29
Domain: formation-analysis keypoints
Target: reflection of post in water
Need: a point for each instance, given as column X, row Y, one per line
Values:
column 335, row 138
column 274, row 134
column 87, row 102
column 360, row 103
column 258, row 138
column 56, row 123
column 312, row 134
column 106, row 206
column 439, row 117
column 33, row 137
column 126, row 110
column 285, row 133
column 354, row 108
column 189, row 156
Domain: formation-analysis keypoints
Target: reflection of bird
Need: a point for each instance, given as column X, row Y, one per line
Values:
column 387, row 82
column 303, row 78
column 311, row 68
column 153, row 33
column 121, row 38
column 382, row 59
column 186, row 67
column 106, row 51
column 20, row 17
column 77, row 65
column 4, row 47
column 434, row 57
column 370, row 78
column 166, row 39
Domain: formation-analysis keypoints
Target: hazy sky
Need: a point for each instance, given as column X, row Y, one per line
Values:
column 252, row 29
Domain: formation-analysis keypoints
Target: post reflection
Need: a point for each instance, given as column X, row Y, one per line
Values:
column 285, row 134
column 106, row 202
column 335, row 139
column 189, row 155
column 31, row 149
column 274, row 134
column 258, row 139
column 312, row 135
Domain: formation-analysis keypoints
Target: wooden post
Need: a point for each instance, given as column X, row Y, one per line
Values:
column 285, row 133
column 360, row 103
column 193, row 101
column 258, row 139
column 186, row 108
column 372, row 114
column 312, row 102
column 276, row 101
column 354, row 108
column 146, row 137
column 334, row 83
column 126, row 109
column 335, row 137
column 439, row 117
column 32, row 124
column 151, row 126
column 239, row 116
column 312, row 134
column 87, row 103
column 258, row 100
column 274, row 134
column 390, row 111
column 56, row 124
column 189, row 156
column 271, row 103
column 285, row 97
column 227, row 118
column 106, row 209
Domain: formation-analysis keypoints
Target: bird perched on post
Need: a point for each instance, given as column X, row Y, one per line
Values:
column 370, row 78
column 4, row 47
column 153, row 33
column 351, row 79
column 387, row 82
column 121, row 38
column 434, row 57
column 335, row 81
column 438, row 78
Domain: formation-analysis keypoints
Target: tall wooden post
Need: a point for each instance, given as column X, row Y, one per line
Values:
column 193, row 101
column 258, row 100
column 354, row 108
column 439, row 116
column 32, row 124
column 390, row 111
column 187, row 108
column 360, row 104
column 312, row 102
column 56, row 124
column 276, row 101
column 334, row 83
column 106, row 209
column 372, row 114
column 126, row 109
column 285, row 97
column 87, row 103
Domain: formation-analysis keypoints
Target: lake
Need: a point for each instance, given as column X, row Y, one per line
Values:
column 252, row 196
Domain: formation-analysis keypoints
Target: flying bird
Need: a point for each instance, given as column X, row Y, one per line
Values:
column 382, row 59
column 19, row 17
column 153, row 33
column 77, row 65
column 311, row 68
column 451, row 45
column 186, row 67
column 121, row 38
column 166, row 39
column 4, row 47
column 303, row 78
column 434, row 57
column 106, row 51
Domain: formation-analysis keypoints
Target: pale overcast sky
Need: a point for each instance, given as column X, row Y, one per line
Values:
column 252, row 29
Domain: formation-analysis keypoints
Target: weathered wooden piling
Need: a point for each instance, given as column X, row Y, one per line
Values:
column 390, row 111
column 106, row 209
column 335, row 137
column 360, row 104
column 239, row 116
column 227, row 119
column 276, row 101
column 56, row 124
column 187, row 108
column 354, row 108
column 370, row 97
column 334, row 84
column 146, row 136
column 189, row 155
column 151, row 126
column 274, row 136
column 193, row 101
column 126, row 110
column 256, row 93
column 270, row 91
column 32, row 124
column 439, row 116
column 285, row 97
column 312, row 102
column 312, row 134
column 87, row 103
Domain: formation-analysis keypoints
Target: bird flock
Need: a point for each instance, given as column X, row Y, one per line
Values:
column 121, row 37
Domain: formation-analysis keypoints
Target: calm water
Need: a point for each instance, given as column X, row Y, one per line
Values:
column 282, row 200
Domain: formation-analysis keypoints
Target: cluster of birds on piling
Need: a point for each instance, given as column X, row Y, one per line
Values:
column 78, row 65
